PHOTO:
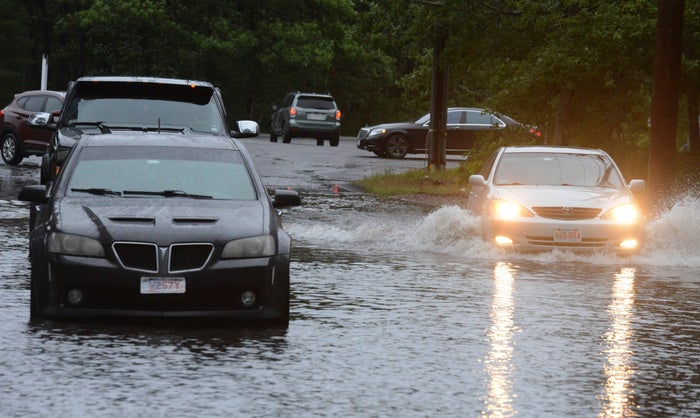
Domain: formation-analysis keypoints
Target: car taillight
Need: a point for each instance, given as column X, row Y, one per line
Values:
column 337, row 115
column 292, row 111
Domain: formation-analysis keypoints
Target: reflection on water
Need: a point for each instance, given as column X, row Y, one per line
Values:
column 499, row 360
column 618, row 399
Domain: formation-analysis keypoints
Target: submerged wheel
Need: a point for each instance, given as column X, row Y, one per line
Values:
column 9, row 147
column 335, row 141
column 287, row 137
column 396, row 146
column 273, row 136
column 319, row 142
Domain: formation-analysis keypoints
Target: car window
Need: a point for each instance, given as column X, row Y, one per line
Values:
column 34, row 104
column 316, row 103
column 22, row 102
column 219, row 174
column 52, row 104
column 475, row 117
column 456, row 118
column 557, row 169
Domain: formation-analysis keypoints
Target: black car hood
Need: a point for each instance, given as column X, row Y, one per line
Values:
column 394, row 126
column 162, row 221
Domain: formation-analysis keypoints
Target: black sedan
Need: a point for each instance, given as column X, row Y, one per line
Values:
column 395, row 140
column 159, row 225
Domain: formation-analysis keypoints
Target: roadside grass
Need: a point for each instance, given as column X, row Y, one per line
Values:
column 420, row 181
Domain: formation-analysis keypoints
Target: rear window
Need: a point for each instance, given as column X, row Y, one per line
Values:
column 325, row 103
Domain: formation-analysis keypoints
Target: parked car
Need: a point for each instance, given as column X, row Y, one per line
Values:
column 97, row 105
column 306, row 115
column 159, row 224
column 535, row 198
column 17, row 138
column 395, row 140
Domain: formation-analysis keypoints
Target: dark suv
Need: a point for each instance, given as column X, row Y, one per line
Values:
column 17, row 138
column 99, row 105
column 306, row 115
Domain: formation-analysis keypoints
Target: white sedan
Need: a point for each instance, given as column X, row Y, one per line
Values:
column 535, row 198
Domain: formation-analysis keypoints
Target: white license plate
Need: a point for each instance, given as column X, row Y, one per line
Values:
column 316, row 116
column 162, row 285
column 572, row 235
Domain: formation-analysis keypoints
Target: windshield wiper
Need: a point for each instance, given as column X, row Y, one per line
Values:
column 97, row 191
column 167, row 193
column 102, row 127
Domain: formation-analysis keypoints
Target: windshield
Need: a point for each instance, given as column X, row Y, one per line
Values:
column 161, row 172
column 557, row 169
column 145, row 106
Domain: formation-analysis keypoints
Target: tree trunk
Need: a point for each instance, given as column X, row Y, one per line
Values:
column 693, row 123
column 664, row 106
column 560, row 125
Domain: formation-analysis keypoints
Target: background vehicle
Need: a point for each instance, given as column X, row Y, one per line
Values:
column 306, row 115
column 159, row 224
column 538, row 198
column 17, row 138
column 395, row 140
column 97, row 105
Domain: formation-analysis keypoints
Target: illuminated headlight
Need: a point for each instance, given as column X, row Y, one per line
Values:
column 376, row 132
column 504, row 209
column 70, row 244
column 262, row 246
column 626, row 214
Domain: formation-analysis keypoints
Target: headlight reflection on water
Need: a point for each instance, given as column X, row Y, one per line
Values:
column 499, row 360
column 618, row 395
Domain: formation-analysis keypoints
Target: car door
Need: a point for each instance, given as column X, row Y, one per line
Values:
column 459, row 136
column 29, row 136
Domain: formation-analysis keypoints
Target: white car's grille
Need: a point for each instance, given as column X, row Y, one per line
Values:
column 566, row 212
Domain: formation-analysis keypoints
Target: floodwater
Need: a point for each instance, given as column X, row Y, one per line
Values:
column 397, row 310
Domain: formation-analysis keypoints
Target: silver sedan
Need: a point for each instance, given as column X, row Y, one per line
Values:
column 535, row 198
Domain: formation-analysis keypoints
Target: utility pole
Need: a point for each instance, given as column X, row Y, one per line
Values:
column 437, row 135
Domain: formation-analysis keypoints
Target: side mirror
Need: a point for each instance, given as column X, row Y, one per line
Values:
column 637, row 186
column 36, row 193
column 42, row 120
column 477, row 180
column 246, row 129
column 286, row 198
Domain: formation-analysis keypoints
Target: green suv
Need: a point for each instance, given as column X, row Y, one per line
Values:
column 306, row 115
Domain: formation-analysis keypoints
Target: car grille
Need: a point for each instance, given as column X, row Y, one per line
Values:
column 146, row 257
column 567, row 213
column 362, row 134
column 549, row 242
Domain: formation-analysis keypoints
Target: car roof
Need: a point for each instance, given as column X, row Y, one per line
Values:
column 135, row 79
column 552, row 149
column 156, row 139
column 298, row 93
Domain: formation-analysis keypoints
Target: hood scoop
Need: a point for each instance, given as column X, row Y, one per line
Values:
column 194, row 221
column 139, row 220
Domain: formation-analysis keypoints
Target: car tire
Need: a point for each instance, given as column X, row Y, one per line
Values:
column 396, row 146
column 287, row 138
column 10, row 149
column 273, row 136
column 319, row 142
column 335, row 141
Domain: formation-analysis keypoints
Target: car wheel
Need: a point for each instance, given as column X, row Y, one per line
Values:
column 44, row 169
column 287, row 135
column 9, row 147
column 319, row 142
column 273, row 136
column 396, row 146
column 335, row 141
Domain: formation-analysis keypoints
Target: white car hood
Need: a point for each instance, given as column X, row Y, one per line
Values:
column 557, row 196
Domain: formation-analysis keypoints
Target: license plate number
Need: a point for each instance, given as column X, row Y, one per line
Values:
column 573, row 235
column 162, row 285
column 316, row 116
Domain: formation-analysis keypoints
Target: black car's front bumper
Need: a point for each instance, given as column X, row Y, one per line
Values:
column 111, row 291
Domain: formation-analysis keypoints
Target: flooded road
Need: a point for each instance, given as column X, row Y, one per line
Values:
column 398, row 309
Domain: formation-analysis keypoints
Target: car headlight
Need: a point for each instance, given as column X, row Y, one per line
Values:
column 70, row 244
column 376, row 132
column 505, row 209
column 626, row 214
column 262, row 246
